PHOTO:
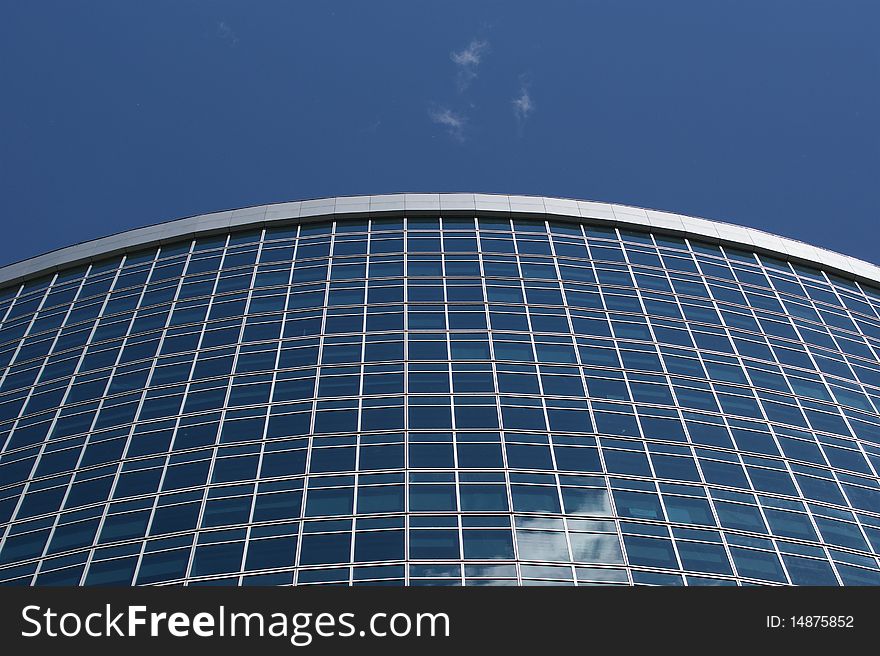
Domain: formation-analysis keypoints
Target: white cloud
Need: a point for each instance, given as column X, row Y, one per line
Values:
column 226, row 33
column 467, row 61
column 454, row 123
column 523, row 105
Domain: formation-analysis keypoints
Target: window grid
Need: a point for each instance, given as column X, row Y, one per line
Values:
column 561, row 290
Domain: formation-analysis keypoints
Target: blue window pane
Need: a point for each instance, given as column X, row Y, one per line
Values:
column 163, row 566
column 772, row 480
column 638, row 505
column 235, row 469
column 650, row 552
column 627, row 462
column 724, row 473
column 124, row 527
column 61, row 577
column 841, row 534
column 574, row 421
column 761, row 565
column 89, row 492
column 386, row 456
column 479, row 456
column 543, row 546
column 687, row 510
column 39, row 503
column 807, row 571
column 739, row 516
column 478, row 417
column 379, row 545
column 675, row 468
column 858, row 576
column 22, row 547
column 183, row 476
column 331, row 501
column 220, row 512
column 217, row 558
column 336, row 421
column 430, row 544
column 111, row 572
column 430, row 417
column 286, row 463
column 586, row 501
column 73, row 536
column 820, row 489
column 281, row 505
column 325, row 549
column 483, row 497
column 656, row 578
column 523, row 418
column 487, row 544
column 589, row 548
column 789, row 524
column 332, row 460
column 139, row 482
column 663, row 429
column 699, row 557
column 432, row 498
column 431, row 456
column 388, row 498
column 580, row 459
column 376, row 419
column 274, row 552
column 525, row 456
column 533, row 498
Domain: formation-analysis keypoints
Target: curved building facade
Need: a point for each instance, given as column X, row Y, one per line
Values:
column 446, row 389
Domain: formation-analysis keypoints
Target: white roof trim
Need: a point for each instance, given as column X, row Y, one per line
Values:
column 485, row 204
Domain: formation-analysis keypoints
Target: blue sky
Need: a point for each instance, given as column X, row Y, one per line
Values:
column 121, row 113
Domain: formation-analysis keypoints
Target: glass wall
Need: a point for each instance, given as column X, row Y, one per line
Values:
column 425, row 401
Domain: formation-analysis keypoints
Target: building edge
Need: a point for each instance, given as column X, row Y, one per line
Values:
column 450, row 204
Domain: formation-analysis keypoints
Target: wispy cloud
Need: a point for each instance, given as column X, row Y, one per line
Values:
column 226, row 33
column 453, row 122
column 523, row 105
column 467, row 61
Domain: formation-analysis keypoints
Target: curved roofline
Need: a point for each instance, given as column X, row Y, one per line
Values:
column 540, row 207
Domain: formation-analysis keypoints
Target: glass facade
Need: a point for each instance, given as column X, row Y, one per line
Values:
column 463, row 400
